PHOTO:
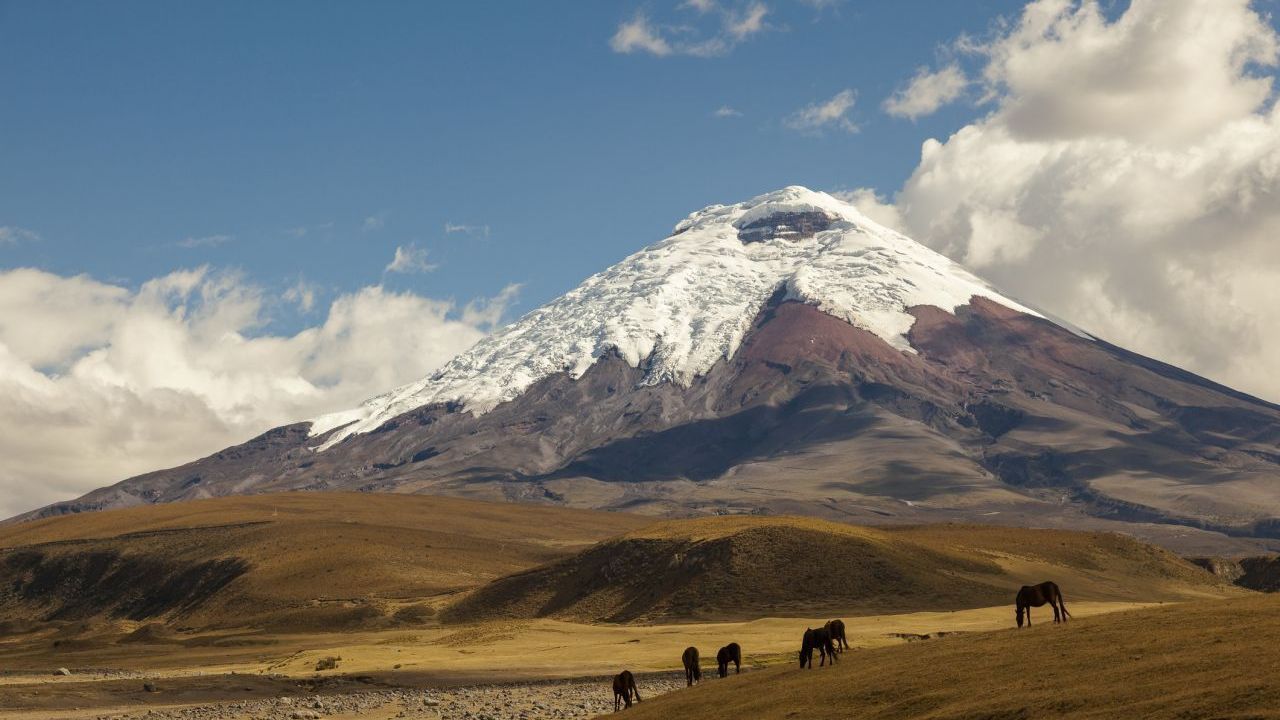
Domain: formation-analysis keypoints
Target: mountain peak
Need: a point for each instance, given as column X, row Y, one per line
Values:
column 789, row 201
column 677, row 307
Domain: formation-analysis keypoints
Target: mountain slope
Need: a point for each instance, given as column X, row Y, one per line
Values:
column 787, row 355
column 682, row 305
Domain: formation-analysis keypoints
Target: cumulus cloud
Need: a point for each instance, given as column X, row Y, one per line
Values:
column 927, row 92
column 374, row 222
column 99, row 382
column 734, row 25
column 10, row 235
column 409, row 259
column 816, row 117
column 872, row 205
column 724, row 111
column 1127, row 178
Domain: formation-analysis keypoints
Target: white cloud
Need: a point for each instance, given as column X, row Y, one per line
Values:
column 10, row 235
column 1127, row 178
column 637, row 35
column 409, row 259
column 927, row 92
column 1164, row 71
column 374, row 222
column 733, row 26
column 831, row 113
column 725, row 111
column 750, row 21
column 481, row 231
column 190, row 242
column 302, row 294
column 873, row 206
column 98, row 382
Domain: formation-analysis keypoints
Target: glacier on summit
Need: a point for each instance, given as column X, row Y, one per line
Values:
column 677, row 307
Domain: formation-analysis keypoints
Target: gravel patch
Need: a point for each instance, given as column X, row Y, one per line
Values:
column 557, row 699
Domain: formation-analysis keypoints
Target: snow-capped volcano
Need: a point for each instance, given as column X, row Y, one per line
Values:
column 787, row 354
column 677, row 307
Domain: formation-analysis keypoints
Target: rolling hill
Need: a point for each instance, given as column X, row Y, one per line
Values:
column 730, row 568
column 304, row 562
column 292, row 561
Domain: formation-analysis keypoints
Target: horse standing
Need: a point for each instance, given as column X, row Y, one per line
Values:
column 624, row 688
column 1036, row 596
column 836, row 629
column 819, row 639
column 692, row 666
column 731, row 653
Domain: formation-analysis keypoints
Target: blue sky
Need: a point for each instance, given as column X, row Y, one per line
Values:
column 221, row 217
column 266, row 134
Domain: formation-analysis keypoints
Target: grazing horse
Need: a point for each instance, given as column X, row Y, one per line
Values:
column 1036, row 596
column 731, row 653
column 692, row 666
column 836, row 628
column 624, row 688
column 821, row 640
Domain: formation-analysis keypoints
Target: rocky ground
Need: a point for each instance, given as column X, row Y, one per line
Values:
column 518, row 701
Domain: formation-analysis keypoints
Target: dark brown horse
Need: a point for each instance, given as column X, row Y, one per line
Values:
column 692, row 666
column 624, row 688
column 820, row 640
column 836, row 629
column 731, row 653
column 1036, row 596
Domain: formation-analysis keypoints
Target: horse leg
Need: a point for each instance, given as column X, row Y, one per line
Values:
column 1057, row 615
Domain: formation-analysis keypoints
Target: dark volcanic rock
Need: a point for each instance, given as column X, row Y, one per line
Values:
column 785, row 225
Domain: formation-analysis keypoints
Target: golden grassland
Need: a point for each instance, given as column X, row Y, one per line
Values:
column 381, row 581
column 216, row 666
column 1201, row 659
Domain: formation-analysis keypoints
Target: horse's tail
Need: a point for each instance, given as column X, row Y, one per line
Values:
column 634, row 690
column 1063, row 604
